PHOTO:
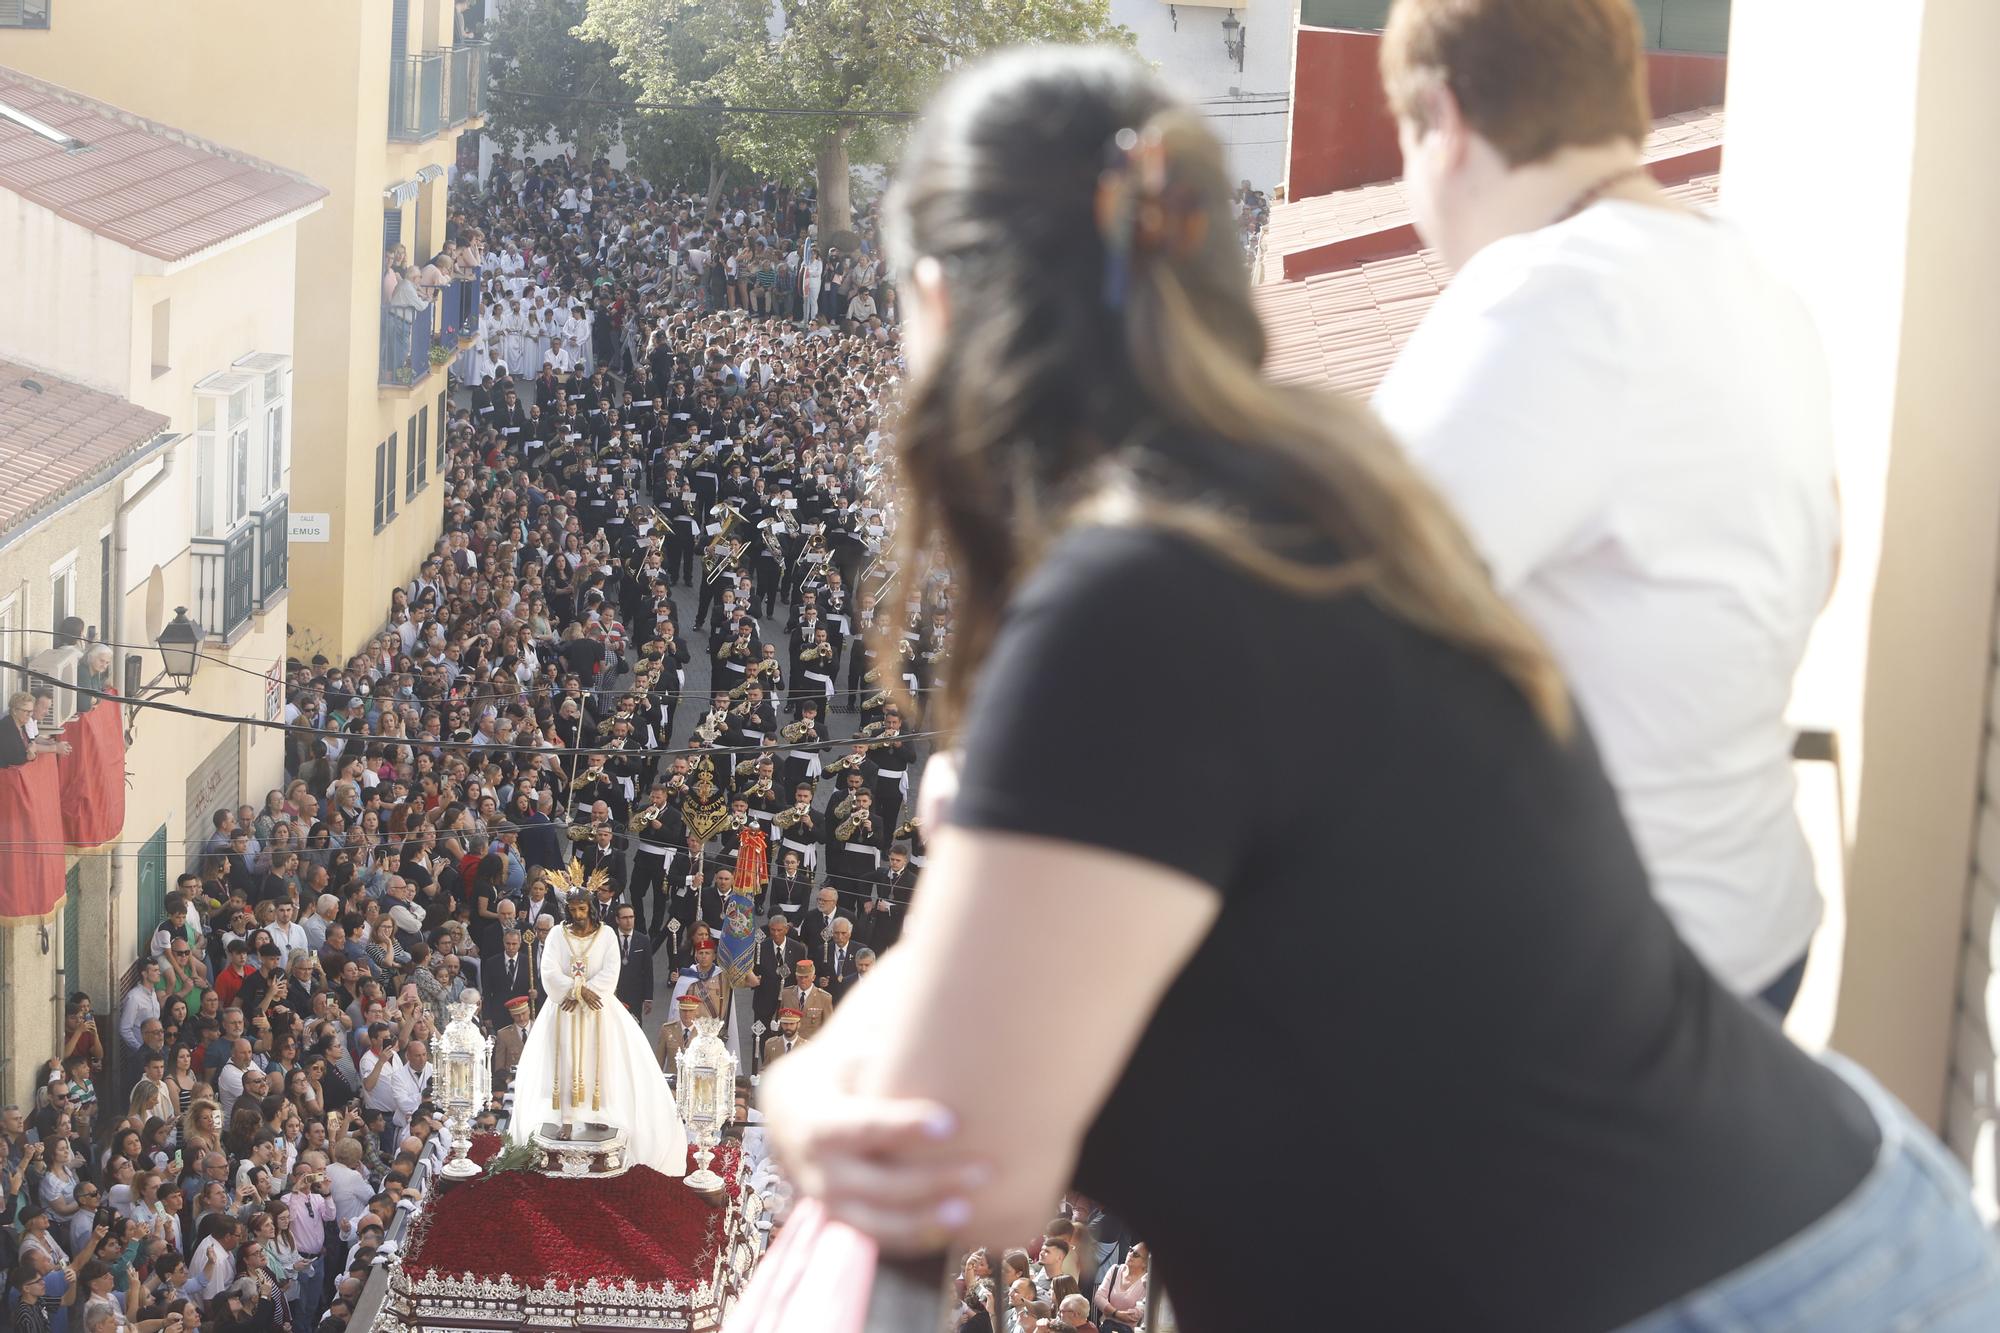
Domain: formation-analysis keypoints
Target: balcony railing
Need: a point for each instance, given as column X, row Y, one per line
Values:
column 468, row 81
column 416, row 95
column 274, row 551
column 407, row 338
column 225, row 580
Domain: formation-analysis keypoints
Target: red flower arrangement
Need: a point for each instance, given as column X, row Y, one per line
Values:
column 529, row 1228
column 484, row 1148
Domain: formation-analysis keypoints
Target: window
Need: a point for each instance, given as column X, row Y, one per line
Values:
column 274, row 432
column 416, row 451
column 162, row 323
column 204, row 466
column 62, row 589
column 106, row 559
column 420, row 450
column 443, row 420
column 239, row 456
column 10, row 648
column 385, row 482
column 24, row 13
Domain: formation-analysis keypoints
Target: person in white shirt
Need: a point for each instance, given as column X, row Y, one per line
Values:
column 1630, row 414
column 142, row 1002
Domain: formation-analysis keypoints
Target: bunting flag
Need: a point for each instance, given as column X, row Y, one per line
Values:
column 32, row 855
column 93, row 776
column 739, row 914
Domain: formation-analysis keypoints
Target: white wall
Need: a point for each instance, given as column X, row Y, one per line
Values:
column 1247, row 108
column 66, row 300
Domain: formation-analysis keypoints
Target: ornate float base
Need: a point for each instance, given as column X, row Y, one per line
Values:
column 524, row 1251
column 581, row 1150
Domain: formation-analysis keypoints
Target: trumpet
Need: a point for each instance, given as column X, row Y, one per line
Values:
column 874, row 701
column 761, row 787
column 580, row 833
column 908, row 827
column 711, row 726
column 787, row 819
column 794, row 732
column 845, row 828
column 643, row 818
column 744, row 767
column 809, row 654
column 872, row 730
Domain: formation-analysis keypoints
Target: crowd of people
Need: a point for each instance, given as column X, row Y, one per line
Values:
column 648, row 627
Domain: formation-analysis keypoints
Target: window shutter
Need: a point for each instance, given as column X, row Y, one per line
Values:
column 392, row 228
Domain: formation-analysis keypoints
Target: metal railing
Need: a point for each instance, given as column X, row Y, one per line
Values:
column 468, row 81
column 407, row 337
column 416, row 95
column 225, row 580
column 274, row 552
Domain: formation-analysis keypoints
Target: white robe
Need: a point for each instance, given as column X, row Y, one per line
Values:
column 514, row 345
column 635, row 1095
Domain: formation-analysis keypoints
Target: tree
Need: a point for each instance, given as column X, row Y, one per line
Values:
column 831, row 66
column 553, row 83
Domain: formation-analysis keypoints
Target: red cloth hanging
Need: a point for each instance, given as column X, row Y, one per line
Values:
column 93, row 776
column 31, row 841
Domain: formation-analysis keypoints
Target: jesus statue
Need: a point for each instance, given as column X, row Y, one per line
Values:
column 586, row 1062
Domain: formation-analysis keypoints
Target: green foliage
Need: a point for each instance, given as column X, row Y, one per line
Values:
column 833, row 57
column 535, row 49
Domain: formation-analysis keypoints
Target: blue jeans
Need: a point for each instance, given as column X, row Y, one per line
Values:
column 1906, row 1251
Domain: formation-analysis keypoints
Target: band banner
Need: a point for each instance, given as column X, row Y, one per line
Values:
column 739, row 913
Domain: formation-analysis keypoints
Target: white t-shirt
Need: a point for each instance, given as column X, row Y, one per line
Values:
column 1630, row 415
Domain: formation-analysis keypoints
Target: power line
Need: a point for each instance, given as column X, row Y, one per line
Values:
column 496, row 748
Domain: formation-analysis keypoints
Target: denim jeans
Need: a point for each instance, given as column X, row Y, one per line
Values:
column 1906, row 1251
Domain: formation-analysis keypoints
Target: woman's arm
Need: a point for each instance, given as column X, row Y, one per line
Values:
column 855, row 1114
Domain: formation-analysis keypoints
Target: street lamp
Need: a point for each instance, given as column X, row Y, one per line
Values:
column 180, row 644
column 1234, row 36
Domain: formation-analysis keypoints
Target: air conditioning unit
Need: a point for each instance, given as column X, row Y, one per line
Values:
column 66, row 666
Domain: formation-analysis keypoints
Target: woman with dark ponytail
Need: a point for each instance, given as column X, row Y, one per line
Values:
column 1390, row 954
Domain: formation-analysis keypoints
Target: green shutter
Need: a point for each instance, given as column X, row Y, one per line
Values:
column 72, row 930
column 152, row 885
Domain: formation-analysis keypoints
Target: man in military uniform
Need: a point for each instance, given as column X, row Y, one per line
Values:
column 786, row 1037
column 814, row 1004
column 677, row 1036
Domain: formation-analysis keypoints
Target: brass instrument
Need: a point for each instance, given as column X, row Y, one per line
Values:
column 761, row 787
column 794, row 732
column 640, row 819
column 787, row 819
column 907, row 649
column 872, row 730
column 744, row 767
column 845, row 828
column 871, row 675
column 809, row 654
column 842, row 764
column 580, row 833
column 907, row 827
column 711, row 726
column 874, row 701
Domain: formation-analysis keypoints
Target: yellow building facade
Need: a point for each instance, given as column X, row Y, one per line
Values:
column 366, row 98
column 182, row 319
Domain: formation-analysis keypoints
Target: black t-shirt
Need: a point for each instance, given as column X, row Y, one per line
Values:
column 1440, row 1015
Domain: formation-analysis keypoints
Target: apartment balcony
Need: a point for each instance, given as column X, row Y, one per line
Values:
column 409, row 336
column 467, row 93
column 416, row 96
column 274, row 551
column 436, row 91
column 225, row 580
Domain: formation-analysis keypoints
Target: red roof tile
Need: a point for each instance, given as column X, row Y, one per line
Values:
column 58, row 440
column 1346, row 216
column 1342, row 330
column 147, row 186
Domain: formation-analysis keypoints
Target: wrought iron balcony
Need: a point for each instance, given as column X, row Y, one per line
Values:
column 225, row 580
column 274, row 552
